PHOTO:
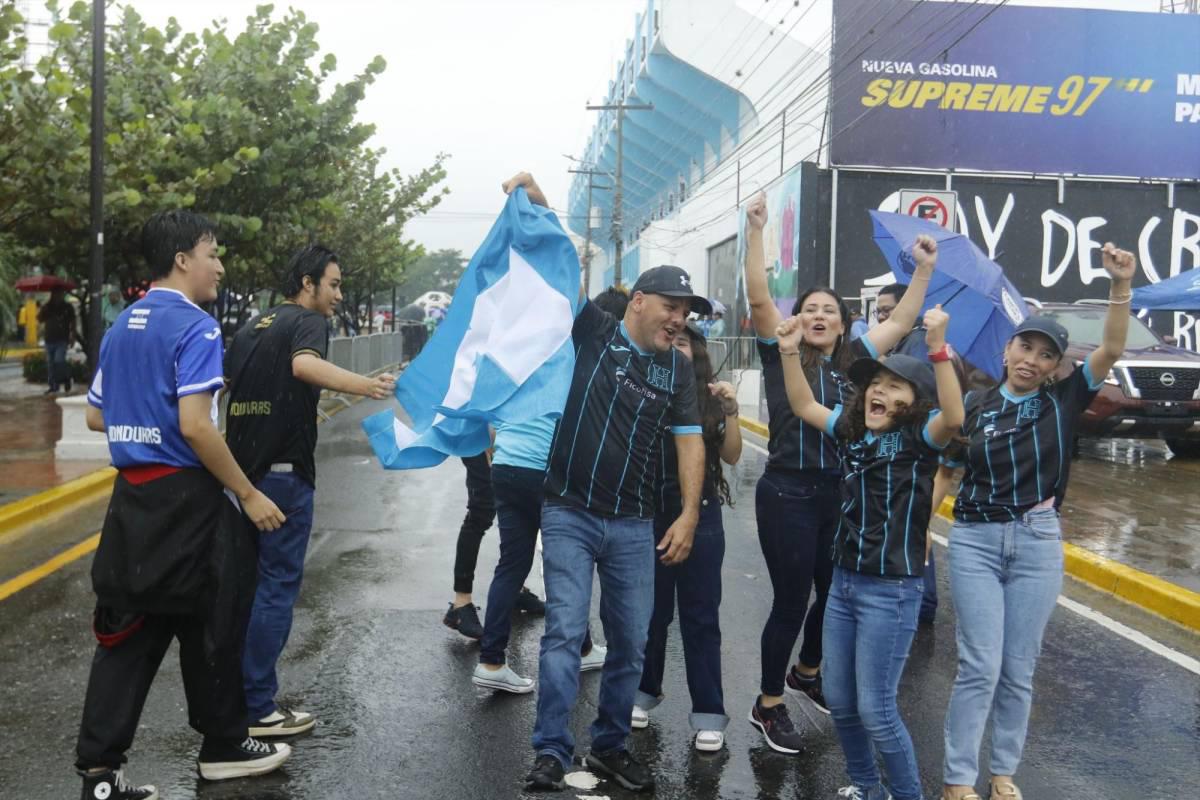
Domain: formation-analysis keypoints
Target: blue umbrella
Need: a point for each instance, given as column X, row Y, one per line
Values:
column 1181, row 293
column 984, row 307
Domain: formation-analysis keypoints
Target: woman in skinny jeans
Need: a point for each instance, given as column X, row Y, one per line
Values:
column 797, row 504
column 1006, row 558
column 696, row 581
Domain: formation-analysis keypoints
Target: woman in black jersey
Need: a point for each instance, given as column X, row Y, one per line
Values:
column 697, row 581
column 1006, row 557
column 796, row 502
column 890, row 437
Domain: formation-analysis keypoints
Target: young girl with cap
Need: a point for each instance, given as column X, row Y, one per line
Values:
column 889, row 439
column 796, row 501
column 1006, row 557
column 697, row 581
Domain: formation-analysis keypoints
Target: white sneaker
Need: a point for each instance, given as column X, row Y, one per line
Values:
column 710, row 741
column 639, row 718
column 594, row 659
column 283, row 721
column 502, row 680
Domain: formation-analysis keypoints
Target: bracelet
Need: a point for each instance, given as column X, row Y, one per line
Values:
column 943, row 353
column 789, row 352
column 733, row 413
column 1120, row 301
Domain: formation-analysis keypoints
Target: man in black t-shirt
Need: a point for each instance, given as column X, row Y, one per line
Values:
column 275, row 369
column 58, row 319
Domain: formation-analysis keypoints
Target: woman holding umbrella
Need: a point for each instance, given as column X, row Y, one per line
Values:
column 797, row 501
column 1006, row 556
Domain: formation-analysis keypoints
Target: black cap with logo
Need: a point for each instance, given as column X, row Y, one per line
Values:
column 1051, row 329
column 671, row 281
column 917, row 372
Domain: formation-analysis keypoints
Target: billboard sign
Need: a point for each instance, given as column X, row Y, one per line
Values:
column 1015, row 89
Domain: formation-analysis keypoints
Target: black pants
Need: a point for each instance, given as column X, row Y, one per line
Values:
column 121, row 677
column 797, row 518
column 481, row 512
column 173, row 543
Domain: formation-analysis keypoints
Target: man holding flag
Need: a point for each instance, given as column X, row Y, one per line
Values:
column 628, row 383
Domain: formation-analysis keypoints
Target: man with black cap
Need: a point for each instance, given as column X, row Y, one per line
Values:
column 628, row 384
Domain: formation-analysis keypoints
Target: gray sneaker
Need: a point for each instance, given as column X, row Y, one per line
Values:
column 502, row 680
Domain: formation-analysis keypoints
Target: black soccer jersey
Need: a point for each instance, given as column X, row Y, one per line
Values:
column 887, row 489
column 669, row 500
column 605, row 452
column 793, row 445
column 1018, row 450
column 272, row 415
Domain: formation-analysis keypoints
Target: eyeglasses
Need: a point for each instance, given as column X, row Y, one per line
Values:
column 884, row 311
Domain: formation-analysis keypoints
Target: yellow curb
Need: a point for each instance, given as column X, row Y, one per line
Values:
column 30, row 577
column 754, row 426
column 1144, row 590
column 68, row 496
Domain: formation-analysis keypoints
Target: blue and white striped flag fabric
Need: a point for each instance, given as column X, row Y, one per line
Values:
column 503, row 352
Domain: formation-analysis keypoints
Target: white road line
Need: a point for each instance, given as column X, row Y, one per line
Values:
column 1124, row 631
column 1120, row 629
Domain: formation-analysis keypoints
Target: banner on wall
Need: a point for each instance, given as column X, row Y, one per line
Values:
column 1015, row 88
column 781, row 241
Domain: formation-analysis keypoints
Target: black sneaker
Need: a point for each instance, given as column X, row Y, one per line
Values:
column 111, row 785
column 221, row 760
column 621, row 767
column 283, row 721
column 546, row 775
column 777, row 728
column 808, row 688
column 465, row 620
column 529, row 603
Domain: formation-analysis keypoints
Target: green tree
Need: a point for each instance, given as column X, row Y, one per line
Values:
column 244, row 128
column 437, row 271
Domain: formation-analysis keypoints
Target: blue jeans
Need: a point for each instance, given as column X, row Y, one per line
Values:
column 621, row 550
column 280, row 569
column 869, row 626
column 1005, row 578
column 518, row 495
column 797, row 515
column 56, row 365
column 698, row 583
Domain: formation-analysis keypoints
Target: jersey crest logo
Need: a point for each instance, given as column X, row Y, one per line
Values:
column 265, row 322
column 659, row 377
column 889, row 444
column 1031, row 409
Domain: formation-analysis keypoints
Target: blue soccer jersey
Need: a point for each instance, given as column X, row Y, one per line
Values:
column 160, row 349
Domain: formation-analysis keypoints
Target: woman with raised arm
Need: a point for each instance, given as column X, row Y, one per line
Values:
column 1006, row 556
column 890, row 437
column 796, row 502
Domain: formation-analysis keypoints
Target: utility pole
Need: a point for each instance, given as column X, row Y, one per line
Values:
column 617, row 214
column 96, row 273
column 587, row 247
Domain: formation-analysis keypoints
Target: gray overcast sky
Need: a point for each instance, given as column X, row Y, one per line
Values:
column 499, row 84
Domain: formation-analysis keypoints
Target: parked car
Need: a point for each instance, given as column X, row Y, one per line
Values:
column 1152, row 391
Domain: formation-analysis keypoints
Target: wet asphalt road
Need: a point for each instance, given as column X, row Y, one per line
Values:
column 399, row 717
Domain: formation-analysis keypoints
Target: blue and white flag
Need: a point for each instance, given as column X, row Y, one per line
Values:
column 503, row 353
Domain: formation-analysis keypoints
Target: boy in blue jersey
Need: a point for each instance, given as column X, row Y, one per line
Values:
column 628, row 383
column 172, row 558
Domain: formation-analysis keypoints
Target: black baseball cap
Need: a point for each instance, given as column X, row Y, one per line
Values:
column 917, row 372
column 671, row 281
column 1051, row 329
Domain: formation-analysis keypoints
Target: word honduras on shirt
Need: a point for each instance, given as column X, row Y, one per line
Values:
column 605, row 452
column 162, row 348
column 887, row 496
column 1018, row 450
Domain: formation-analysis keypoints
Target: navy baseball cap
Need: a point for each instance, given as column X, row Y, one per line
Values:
column 917, row 372
column 1051, row 329
column 671, row 281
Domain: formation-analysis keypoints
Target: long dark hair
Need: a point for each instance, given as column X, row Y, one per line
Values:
column 711, row 418
column 811, row 357
column 854, row 420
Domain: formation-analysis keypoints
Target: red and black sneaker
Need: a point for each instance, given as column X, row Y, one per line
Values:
column 465, row 620
column 777, row 728
column 807, row 687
